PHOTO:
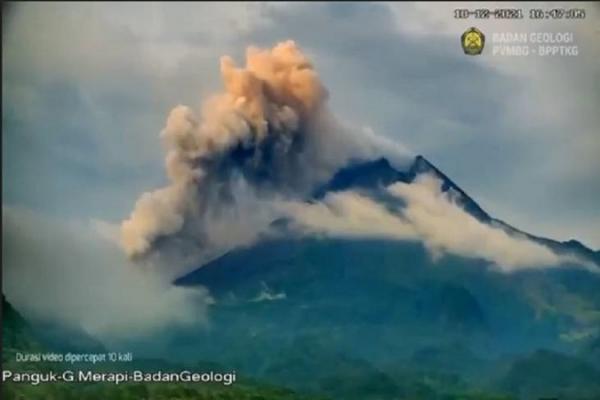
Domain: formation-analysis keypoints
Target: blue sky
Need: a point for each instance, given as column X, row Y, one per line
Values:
column 87, row 88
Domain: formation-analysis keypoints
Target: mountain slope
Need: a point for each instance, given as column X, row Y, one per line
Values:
column 17, row 334
column 374, row 175
column 546, row 374
column 383, row 302
column 377, row 303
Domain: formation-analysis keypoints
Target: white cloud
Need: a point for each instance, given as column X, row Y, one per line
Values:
column 348, row 214
column 446, row 227
column 430, row 215
column 67, row 271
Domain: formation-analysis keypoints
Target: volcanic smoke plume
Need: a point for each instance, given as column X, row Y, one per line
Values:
column 269, row 134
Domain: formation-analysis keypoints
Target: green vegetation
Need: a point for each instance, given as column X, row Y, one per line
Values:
column 342, row 378
column 311, row 369
column 155, row 391
column 547, row 374
column 16, row 333
column 18, row 336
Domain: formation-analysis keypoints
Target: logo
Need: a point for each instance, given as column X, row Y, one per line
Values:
column 472, row 41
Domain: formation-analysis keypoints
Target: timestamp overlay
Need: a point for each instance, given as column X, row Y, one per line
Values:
column 526, row 30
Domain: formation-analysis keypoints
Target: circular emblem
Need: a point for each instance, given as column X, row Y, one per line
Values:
column 472, row 41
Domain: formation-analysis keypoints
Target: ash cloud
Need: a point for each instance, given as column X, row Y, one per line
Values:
column 269, row 133
column 259, row 148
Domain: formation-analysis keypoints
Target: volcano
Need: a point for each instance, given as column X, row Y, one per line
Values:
column 311, row 308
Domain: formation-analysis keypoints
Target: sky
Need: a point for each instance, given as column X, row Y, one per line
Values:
column 87, row 88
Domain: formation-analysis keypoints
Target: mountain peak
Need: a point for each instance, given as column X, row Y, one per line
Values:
column 364, row 175
column 375, row 175
column 379, row 173
column 422, row 166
